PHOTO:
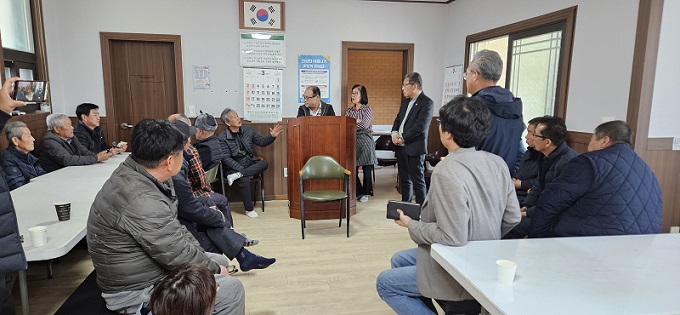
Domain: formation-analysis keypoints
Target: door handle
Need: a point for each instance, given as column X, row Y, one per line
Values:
column 125, row 125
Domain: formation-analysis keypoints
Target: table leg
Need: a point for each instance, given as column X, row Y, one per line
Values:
column 23, row 288
column 49, row 269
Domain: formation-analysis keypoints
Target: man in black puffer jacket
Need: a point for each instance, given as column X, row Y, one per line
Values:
column 608, row 191
column 12, row 257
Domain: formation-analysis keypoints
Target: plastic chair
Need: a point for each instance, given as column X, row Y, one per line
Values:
column 324, row 167
column 211, row 175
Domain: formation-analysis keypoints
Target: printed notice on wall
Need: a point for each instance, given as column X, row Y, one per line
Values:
column 262, row 94
column 263, row 50
column 453, row 83
column 676, row 144
column 314, row 70
column 201, row 77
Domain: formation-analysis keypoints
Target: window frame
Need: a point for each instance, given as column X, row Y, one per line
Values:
column 14, row 58
column 566, row 16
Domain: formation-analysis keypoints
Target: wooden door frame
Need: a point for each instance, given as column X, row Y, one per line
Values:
column 406, row 48
column 106, row 38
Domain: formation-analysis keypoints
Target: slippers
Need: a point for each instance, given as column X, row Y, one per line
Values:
column 231, row 269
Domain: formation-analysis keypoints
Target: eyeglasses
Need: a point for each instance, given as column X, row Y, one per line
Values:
column 406, row 84
column 439, row 121
column 356, row 93
column 534, row 135
column 308, row 97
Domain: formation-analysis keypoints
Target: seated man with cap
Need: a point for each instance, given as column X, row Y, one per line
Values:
column 209, row 227
column 207, row 144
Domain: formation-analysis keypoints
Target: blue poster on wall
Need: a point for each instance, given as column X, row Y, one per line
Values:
column 314, row 70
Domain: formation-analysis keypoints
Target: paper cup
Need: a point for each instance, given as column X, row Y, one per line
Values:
column 38, row 235
column 63, row 210
column 506, row 271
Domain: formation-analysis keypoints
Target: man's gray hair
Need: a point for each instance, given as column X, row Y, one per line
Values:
column 415, row 78
column 181, row 117
column 488, row 63
column 55, row 120
column 618, row 132
column 223, row 117
column 13, row 129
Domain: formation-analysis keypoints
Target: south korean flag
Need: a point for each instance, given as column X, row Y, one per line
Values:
column 265, row 15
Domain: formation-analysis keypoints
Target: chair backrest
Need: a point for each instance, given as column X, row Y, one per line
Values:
column 436, row 156
column 211, row 174
column 322, row 167
column 384, row 143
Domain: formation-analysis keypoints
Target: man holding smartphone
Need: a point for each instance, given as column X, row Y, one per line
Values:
column 13, row 257
column 89, row 133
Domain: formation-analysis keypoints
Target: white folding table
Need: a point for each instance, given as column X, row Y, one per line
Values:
column 636, row 274
column 34, row 205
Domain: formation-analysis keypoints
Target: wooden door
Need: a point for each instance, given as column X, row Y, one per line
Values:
column 142, row 75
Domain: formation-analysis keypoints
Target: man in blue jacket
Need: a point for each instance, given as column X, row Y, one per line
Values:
column 12, row 257
column 505, row 134
column 608, row 191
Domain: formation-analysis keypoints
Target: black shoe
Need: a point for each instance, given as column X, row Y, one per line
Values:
column 248, row 261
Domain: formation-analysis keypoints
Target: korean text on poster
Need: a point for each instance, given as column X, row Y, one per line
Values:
column 201, row 77
column 453, row 83
column 314, row 70
column 262, row 94
column 263, row 50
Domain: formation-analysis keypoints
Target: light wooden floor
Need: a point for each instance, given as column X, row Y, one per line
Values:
column 327, row 273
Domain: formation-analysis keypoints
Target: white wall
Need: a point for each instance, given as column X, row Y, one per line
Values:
column 602, row 56
column 665, row 114
column 210, row 36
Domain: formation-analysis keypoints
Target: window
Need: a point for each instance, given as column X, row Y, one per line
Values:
column 16, row 25
column 23, row 42
column 537, row 55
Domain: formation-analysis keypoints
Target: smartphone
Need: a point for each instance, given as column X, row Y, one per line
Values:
column 30, row 91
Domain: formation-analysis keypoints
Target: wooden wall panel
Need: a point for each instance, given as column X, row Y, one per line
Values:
column 578, row 140
column 666, row 167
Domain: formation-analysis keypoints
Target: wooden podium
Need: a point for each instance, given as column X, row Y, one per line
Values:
column 326, row 135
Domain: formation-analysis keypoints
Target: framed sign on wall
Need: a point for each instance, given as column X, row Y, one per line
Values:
column 262, row 15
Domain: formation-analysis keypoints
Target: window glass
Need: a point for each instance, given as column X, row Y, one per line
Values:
column 8, row 72
column 16, row 25
column 534, row 73
column 26, row 74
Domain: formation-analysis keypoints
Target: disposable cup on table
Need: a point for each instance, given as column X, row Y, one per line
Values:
column 506, row 271
column 38, row 235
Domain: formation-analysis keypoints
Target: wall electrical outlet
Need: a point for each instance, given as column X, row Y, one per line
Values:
column 192, row 111
column 285, row 172
column 675, row 229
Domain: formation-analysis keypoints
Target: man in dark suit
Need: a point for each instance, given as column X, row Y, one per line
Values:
column 409, row 134
column 61, row 148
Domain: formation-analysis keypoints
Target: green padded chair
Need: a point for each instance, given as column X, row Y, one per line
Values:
column 324, row 167
column 211, row 175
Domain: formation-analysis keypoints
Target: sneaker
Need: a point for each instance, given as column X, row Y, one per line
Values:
column 363, row 198
column 232, row 177
column 249, row 261
column 252, row 214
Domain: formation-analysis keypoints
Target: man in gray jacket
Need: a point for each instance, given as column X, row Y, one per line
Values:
column 133, row 234
column 471, row 198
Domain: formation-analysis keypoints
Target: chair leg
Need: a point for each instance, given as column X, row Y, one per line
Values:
column 348, row 214
column 262, row 192
column 302, row 217
column 341, row 211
